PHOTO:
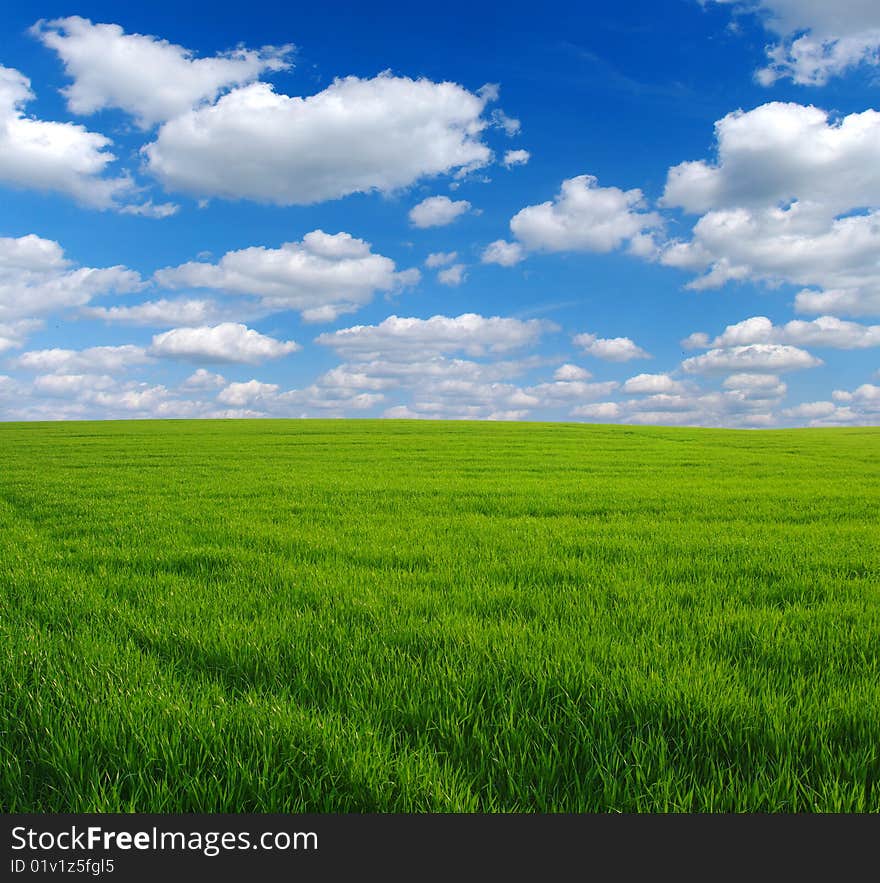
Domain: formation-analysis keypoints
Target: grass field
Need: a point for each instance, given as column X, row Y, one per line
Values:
column 295, row 616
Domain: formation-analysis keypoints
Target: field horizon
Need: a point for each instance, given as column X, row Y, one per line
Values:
column 438, row 616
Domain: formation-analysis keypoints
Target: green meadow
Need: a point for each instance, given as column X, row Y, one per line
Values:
column 371, row 616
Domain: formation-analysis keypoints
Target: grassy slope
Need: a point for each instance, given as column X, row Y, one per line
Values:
column 359, row 616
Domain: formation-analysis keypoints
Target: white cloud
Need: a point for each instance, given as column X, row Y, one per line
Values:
column 652, row 384
column 326, row 397
column 204, row 379
column 818, row 39
column 398, row 337
column 867, row 393
column 690, row 406
column 437, row 211
column 149, row 78
column 792, row 198
column 510, row 125
column 253, row 392
column 507, row 254
column 149, row 209
column 321, row 277
column 566, row 391
column 762, row 358
column 826, row 331
column 583, row 217
column 14, row 334
column 571, row 372
column 356, row 136
column 601, row 411
column 612, row 349
column 227, row 342
column 441, row 259
column 453, row 275
column 96, row 359
column 143, row 398
column 811, row 410
column 414, row 368
column 188, row 311
column 515, row 158
column 697, row 341
column 71, row 385
column 780, row 152
column 49, row 156
column 756, row 385
column 36, row 279
column 844, row 301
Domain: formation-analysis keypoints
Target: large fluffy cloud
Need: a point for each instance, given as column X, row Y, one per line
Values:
column 792, row 198
column 818, row 39
column 151, row 79
column 321, row 277
column 780, row 152
column 403, row 337
column 227, row 342
column 50, row 156
column 358, row 135
column 582, row 217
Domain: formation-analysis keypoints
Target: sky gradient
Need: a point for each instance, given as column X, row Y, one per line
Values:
column 630, row 213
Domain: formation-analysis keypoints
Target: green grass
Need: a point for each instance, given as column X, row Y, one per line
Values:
column 294, row 616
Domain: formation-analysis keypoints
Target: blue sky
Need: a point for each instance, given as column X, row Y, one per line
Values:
column 630, row 213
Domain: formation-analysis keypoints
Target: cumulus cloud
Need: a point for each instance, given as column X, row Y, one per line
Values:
column 515, row 158
column 791, row 198
column 689, row 406
column 826, row 331
column 571, row 372
column 602, row 411
column 568, row 391
column 811, row 410
column 356, row 136
column 250, row 393
column 612, row 349
column 756, row 385
column 49, row 156
column 759, row 357
column 94, row 360
column 227, row 342
column 817, row 40
column 652, row 384
column 185, row 311
column 71, row 385
column 507, row 254
column 437, row 211
column 37, row 279
column 14, row 334
column 201, row 378
column 453, row 275
column 866, row 393
column 781, row 152
column 470, row 333
column 441, row 259
column 149, row 78
column 584, row 217
column 321, row 277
